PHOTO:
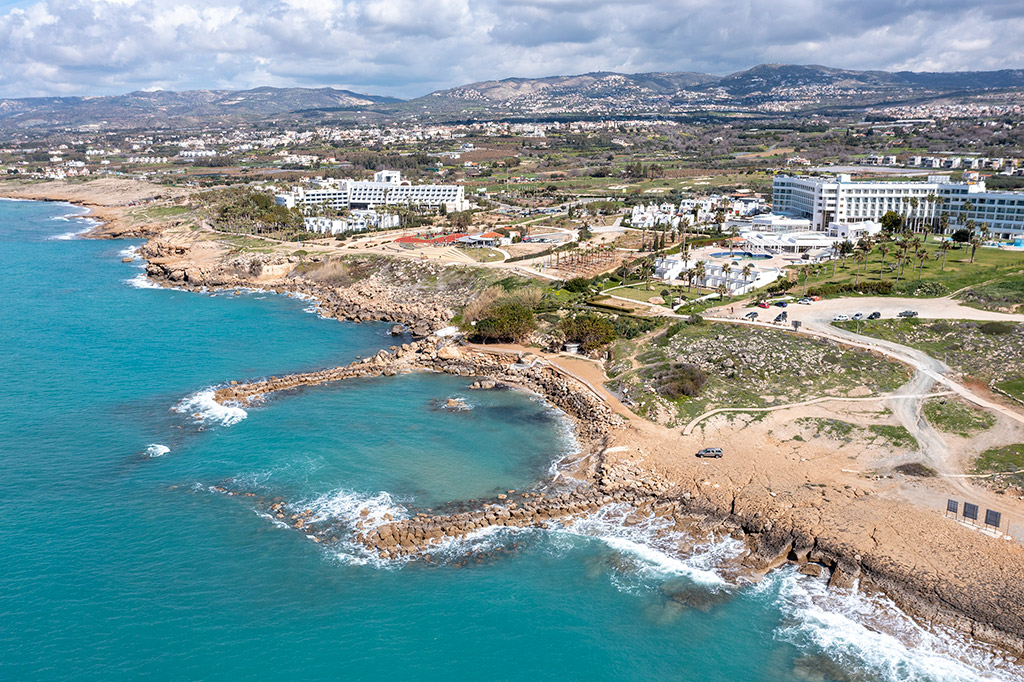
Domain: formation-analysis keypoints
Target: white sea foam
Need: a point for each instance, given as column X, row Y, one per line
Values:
column 659, row 549
column 157, row 450
column 359, row 513
column 87, row 225
column 870, row 634
column 204, row 408
column 129, row 252
column 140, row 281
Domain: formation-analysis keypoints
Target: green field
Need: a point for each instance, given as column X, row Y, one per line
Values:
column 990, row 265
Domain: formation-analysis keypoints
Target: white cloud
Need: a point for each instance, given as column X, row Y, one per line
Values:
column 409, row 47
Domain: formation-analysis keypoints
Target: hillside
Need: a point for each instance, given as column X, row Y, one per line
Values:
column 163, row 109
column 768, row 89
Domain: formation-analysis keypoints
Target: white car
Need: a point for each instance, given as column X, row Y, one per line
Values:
column 840, row 318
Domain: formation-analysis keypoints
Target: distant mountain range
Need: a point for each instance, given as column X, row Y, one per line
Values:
column 162, row 108
column 768, row 89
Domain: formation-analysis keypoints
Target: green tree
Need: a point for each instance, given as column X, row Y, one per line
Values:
column 508, row 320
column 589, row 330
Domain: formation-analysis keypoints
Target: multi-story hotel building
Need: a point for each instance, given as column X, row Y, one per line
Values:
column 386, row 188
column 839, row 199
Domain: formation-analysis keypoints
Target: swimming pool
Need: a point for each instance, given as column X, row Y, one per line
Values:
column 744, row 255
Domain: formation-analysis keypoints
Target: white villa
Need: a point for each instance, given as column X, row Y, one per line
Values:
column 715, row 274
column 358, row 221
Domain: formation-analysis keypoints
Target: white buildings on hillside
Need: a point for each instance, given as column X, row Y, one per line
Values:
column 718, row 272
column 358, row 221
column 839, row 199
column 386, row 189
column 668, row 214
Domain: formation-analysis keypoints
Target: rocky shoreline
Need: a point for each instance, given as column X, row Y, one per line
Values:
column 983, row 606
column 983, row 598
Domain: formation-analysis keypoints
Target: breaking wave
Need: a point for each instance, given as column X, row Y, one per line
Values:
column 870, row 635
column 353, row 513
column 660, row 551
column 157, row 450
column 205, row 409
column 140, row 281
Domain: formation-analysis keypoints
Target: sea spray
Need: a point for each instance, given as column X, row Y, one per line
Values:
column 659, row 549
column 868, row 633
column 156, row 450
column 204, row 408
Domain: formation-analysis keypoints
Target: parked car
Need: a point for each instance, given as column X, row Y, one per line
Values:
column 840, row 318
column 907, row 313
column 752, row 315
column 762, row 304
column 875, row 315
column 857, row 316
column 782, row 317
column 710, row 452
column 805, row 301
column 781, row 304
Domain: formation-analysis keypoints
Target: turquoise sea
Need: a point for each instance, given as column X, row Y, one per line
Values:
column 120, row 560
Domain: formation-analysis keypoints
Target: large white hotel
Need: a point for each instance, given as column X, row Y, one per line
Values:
column 386, row 189
column 839, row 199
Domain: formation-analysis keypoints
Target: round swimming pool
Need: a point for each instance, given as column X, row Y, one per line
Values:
column 743, row 255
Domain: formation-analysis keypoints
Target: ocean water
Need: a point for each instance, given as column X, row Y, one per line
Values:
column 121, row 561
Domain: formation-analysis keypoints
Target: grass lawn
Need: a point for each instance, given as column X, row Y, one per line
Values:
column 958, row 272
column 484, row 255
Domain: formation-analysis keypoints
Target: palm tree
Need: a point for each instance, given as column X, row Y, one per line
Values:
column 883, row 249
column 747, row 271
column 726, row 269
column 914, row 203
column 700, row 271
column 922, row 256
column 975, row 243
column 860, row 257
column 944, row 248
column 721, row 289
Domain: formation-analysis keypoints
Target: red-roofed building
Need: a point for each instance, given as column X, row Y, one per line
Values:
column 446, row 239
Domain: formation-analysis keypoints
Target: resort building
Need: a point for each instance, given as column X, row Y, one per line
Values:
column 717, row 272
column 841, row 200
column 357, row 221
column 386, row 189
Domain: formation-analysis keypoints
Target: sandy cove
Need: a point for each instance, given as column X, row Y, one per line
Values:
column 807, row 510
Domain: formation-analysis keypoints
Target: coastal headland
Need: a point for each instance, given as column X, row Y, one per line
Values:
column 791, row 502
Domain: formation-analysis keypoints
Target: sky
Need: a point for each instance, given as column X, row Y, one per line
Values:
column 408, row 48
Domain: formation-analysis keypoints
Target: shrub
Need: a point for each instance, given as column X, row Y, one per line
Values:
column 680, row 380
column 476, row 309
column 577, row 285
column 882, row 288
column 996, row 328
column 506, row 320
column 674, row 329
column 631, row 327
column 695, row 319
column 589, row 330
